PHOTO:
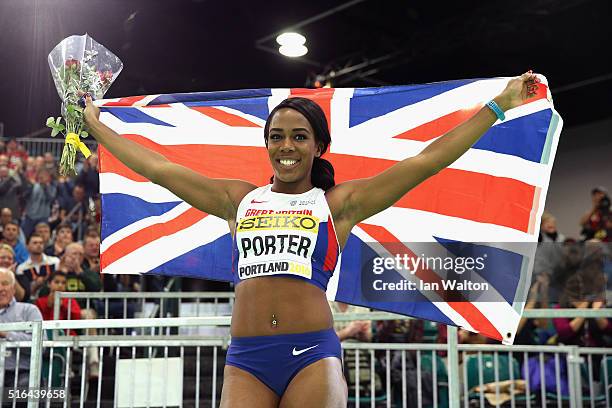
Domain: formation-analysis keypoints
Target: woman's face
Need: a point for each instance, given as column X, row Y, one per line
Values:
column 6, row 259
column 292, row 147
column 45, row 232
column 64, row 235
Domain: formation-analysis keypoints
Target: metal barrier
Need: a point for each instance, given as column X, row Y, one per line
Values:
column 205, row 303
column 35, row 346
column 428, row 382
column 126, row 305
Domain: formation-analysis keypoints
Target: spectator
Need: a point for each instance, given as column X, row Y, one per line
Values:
column 89, row 178
column 74, row 210
column 39, row 266
column 57, row 283
column 572, row 254
column 10, row 189
column 12, row 311
column 54, row 219
column 31, row 169
column 77, row 278
column 49, row 163
column 7, row 261
column 44, row 230
column 597, row 222
column 579, row 330
column 359, row 330
column 91, row 246
column 93, row 231
column 39, row 197
column 15, row 152
column 63, row 237
column 39, row 163
column 6, row 216
column 548, row 229
column 549, row 252
column 10, row 236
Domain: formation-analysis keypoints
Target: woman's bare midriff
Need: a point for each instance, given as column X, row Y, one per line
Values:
column 297, row 307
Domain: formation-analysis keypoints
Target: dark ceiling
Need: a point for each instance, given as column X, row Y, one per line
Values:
column 204, row 45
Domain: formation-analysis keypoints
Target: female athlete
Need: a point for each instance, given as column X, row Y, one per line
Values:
column 287, row 236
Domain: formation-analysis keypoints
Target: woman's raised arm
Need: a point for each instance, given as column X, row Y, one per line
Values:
column 357, row 200
column 219, row 197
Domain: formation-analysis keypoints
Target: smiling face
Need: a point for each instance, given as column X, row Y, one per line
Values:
column 6, row 258
column 292, row 147
column 7, row 287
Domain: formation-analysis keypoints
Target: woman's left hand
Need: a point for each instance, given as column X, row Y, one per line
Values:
column 518, row 90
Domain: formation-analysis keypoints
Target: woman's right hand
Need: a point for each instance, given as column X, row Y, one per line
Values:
column 92, row 113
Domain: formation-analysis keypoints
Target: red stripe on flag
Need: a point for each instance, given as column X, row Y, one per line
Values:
column 210, row 160
column 130, row 101
column 332, row 247
column 148, row 235
column 477, row 320
column 466, row 309
column 224, row 117
column 456, row 193
column 321, row 96
column 439, row 126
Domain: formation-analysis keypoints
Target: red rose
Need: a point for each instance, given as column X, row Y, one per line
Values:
column 105, row 76
column 72, row 63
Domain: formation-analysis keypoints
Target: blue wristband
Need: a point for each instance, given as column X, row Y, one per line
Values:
column 496, row 110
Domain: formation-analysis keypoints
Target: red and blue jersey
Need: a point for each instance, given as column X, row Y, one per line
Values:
column 289, row 235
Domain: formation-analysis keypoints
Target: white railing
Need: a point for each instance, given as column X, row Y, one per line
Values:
column 493, row 363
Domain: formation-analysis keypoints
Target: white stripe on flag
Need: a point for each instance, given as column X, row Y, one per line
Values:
column 145, row 190
column 410, row 225
column 169, row 247
column 189, row 127
column 249, row 117
column 141, row 224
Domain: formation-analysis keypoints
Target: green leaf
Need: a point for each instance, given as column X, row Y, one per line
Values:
column 58, row 120
column 54, row 132
column 60, row 127
column 84, row 134
column 50, row 121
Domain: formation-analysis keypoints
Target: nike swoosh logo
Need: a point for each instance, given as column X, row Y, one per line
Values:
column 258, row 202
column 298, row 352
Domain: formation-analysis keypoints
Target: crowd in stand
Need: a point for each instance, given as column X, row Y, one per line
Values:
column 50, row 242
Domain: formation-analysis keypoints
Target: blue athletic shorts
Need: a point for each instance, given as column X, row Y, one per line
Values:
column 275, row 360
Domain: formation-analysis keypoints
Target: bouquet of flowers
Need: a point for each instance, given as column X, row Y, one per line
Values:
column 78, row 65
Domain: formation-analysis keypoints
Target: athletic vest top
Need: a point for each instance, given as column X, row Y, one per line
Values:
column 288, row 235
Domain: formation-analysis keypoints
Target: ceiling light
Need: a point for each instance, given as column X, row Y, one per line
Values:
column 293, row 50
column 292, row 44
column 291, row 39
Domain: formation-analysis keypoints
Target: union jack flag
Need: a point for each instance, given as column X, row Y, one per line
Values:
column 494, row 193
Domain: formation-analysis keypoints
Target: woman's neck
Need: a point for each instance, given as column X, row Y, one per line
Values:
column 291, row 188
